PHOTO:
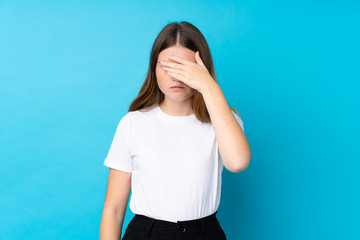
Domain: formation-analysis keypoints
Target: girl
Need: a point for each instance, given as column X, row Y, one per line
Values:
column 172, row 145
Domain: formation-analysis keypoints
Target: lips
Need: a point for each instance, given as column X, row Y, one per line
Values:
column 177, row 87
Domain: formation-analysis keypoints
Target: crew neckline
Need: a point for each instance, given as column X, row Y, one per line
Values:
column 173, row 117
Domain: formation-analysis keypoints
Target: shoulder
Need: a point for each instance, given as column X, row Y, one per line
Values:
column 127, row 117
column 142, row 112
column 138, row 114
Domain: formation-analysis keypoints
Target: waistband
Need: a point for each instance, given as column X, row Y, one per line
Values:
column 186, row 227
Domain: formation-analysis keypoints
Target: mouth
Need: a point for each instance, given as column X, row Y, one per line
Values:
column 177, row 87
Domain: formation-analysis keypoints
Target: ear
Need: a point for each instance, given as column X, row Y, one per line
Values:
column 198, row 59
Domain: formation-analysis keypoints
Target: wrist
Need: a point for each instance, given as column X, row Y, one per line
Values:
column 210, row 88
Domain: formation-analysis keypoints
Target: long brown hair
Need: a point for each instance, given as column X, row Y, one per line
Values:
column 186, row 35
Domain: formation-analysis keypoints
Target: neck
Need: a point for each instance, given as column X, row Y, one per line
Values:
column 177, row 108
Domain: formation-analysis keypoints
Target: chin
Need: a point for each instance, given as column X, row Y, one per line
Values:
column 180, row 99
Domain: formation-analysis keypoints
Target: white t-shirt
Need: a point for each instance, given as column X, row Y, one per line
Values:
column 175, row 163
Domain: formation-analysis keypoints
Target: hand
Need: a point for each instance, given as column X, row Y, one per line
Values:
column 193, row 74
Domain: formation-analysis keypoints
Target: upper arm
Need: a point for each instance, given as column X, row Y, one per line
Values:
column 119, row 156
column 118, row 190
column 239, row 120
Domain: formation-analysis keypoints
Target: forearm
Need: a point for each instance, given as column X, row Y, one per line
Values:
column 233, row 144
column 111, row 225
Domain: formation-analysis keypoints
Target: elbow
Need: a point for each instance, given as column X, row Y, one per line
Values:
column 243, row 160
column 242, row 165
column 240, row 169
column 239, row 163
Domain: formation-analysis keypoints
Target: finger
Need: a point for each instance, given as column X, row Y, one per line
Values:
column 179, row 59
column 173, row 65
column 174, row 70
column 198, row 59
column 177, row 76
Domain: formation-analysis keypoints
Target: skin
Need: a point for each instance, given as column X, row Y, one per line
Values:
column 176, row 102
column 233, row 145
column 114, row 209
column 187, row 67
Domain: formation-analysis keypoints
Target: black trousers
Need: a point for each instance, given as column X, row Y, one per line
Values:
column 142, row 227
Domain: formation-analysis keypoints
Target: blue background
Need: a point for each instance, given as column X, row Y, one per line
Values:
column 70, row 69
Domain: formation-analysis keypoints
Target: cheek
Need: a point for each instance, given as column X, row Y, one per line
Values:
column 161, row 78
column 161, row 72
column 161, row 75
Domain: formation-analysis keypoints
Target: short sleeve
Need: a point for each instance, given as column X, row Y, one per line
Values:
column 239, row 120
column 119, row 156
